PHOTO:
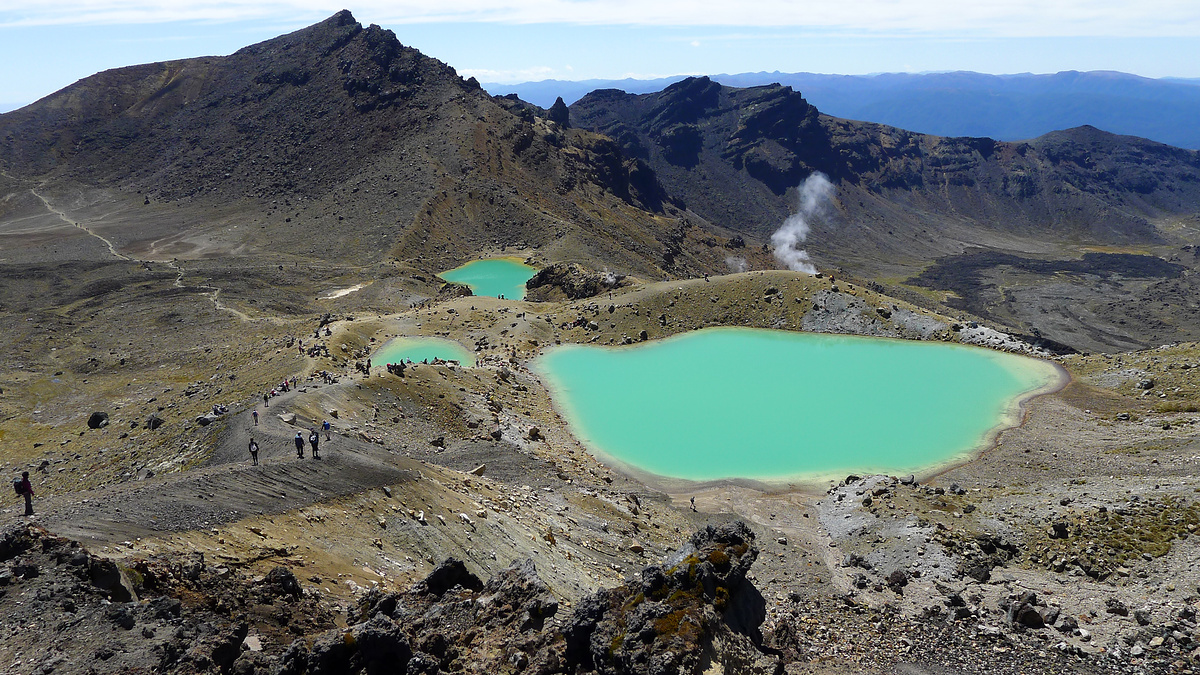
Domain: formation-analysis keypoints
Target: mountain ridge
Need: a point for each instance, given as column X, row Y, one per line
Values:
column 958, row 103
column 903, row 200
column 341, row 127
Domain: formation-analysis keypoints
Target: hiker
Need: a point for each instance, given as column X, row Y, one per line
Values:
column 255, row 415
column 325, row 426
column 299, row 440
column 313, row 439
column 266, row 400
column 254, row 452
column 25, row 489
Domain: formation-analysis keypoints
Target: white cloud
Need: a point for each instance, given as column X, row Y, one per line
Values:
column 1000, row 18
column 534, row 74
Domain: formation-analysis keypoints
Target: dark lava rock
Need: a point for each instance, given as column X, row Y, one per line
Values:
column 97, row 420
column 154, row 421
column 107, row 575
column 1023, row 611
column 281, row 581
column 979, row 572
column 447, row 575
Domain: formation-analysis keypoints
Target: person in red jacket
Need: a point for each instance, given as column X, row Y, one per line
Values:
column 26, row 489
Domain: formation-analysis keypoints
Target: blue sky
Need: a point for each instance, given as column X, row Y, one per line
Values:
column 47, row 44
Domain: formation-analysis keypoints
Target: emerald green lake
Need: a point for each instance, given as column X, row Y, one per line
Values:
column 418, row 349
column 778, row 406
column 493, row 277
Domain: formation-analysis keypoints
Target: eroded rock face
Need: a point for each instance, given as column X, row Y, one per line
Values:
column 694, row 611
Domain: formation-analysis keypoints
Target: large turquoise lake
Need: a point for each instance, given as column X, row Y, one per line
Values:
column 494, row 277
column 779, row 406
column 418, row 349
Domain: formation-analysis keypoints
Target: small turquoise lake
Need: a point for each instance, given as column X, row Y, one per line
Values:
column 418, row 349
column 493, row 277
column 779, row 406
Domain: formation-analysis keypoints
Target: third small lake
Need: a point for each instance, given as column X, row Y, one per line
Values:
column 493, row 277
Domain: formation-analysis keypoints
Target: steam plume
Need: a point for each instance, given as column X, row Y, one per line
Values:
column 736, row 264
column 814, row 193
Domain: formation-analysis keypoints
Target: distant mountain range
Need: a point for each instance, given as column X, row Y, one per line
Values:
column 1003, row 107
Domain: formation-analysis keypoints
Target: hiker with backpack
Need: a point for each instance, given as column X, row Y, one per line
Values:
column 254, row 452
column 299, row 440
column 25, row 489
column 313, row 439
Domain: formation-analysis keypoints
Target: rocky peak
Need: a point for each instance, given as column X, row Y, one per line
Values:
column 325, row 36
column 559, row 113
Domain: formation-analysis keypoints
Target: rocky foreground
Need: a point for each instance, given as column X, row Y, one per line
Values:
column 70, row 611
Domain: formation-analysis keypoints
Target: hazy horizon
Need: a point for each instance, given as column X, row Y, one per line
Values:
column 58, row 42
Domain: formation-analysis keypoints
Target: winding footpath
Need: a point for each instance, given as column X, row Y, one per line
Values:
column 50, row 207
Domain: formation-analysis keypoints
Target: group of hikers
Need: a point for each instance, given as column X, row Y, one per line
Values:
column 314, row 441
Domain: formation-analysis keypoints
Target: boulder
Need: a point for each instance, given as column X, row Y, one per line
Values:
column 1024, row 612
column 450, row 573
column 108, row 576
column 1115, row 606
column 97, row 420
column 153, row 422
column 381, row 645
column 281, row 581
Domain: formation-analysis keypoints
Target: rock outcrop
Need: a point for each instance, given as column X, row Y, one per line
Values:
column 695, row 610
column 570, row 281
column 187, row 616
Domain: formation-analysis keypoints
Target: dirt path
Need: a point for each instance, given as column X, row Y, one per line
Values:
column 50, row 207
column 212, row 295
column 228, row 487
